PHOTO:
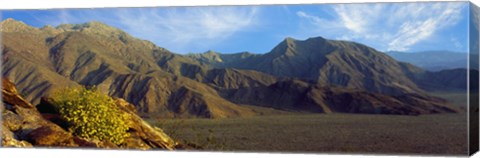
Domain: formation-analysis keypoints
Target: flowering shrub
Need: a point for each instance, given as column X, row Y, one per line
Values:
column 91, row 114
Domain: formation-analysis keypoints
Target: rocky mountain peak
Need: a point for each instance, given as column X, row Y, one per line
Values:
column 288, row 42
column 289, row 46
column 320, row 41
column 12, row 25
column 207, row 57
column 289, row 39
column 91, row 24
column 213, row 56
column 93, row 27
column 211, row 53
column 48, row 27
column 10, row 20
column 292, row 41
column 318, row 38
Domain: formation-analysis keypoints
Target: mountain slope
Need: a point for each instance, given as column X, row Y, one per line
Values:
column 94, row 54
column 218, row 60
column 329, row 62
column 234, row 79
column 297, row 95
column 211, row 85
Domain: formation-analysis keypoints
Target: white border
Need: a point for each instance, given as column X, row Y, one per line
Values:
column 82, row 153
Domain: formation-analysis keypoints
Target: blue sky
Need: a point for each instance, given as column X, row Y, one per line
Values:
column 406, row 27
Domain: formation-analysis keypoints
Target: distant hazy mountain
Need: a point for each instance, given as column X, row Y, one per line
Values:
column 432, row 60
column 447, row 80
column 315, row 75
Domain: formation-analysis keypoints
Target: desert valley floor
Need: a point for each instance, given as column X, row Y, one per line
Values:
column 326, row 133
column 280, row 131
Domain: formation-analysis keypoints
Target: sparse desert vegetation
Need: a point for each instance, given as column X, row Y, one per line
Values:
column 91, row 114
column 425, row 134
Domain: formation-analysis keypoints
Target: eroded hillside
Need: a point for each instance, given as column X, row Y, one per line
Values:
column 308, row 75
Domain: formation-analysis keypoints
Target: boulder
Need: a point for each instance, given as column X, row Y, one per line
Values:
column 51, row 135
column 141, row 133
column 12, row 121
column 8, row 86
column 9, row 139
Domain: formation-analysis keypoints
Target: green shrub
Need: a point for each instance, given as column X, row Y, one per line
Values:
column 91, row 114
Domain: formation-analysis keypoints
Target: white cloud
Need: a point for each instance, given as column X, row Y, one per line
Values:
column 175, row 28
column 394, row 26
column 325, row 24
column 179, row 27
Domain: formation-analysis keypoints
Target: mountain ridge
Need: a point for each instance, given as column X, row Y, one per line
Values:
column 435, row 60
column 328, row 62
column 161, row 83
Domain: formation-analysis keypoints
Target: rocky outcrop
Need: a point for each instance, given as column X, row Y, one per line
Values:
column 24, row 125
column 142, row 135
column 20, row 118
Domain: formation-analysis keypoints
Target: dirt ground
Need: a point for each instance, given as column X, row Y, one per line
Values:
column 442, row 134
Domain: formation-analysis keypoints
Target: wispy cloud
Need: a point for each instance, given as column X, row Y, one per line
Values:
column 69, row 16
column 201, row 26
column 319, row 21
column 176, row 28
column 397, row 26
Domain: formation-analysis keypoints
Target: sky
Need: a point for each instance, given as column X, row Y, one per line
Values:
column 406, row 27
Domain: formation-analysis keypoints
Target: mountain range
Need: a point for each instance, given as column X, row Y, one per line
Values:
column 314, row 75
column 433, row 60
